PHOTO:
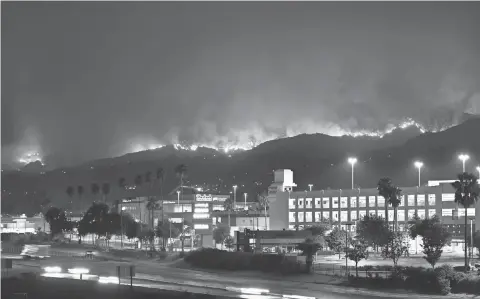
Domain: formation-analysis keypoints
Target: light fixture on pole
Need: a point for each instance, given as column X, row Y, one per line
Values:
column 419, row 165
column 245, row 196
column 463, row 158
column 352, row 161
column 310, row 187
column 121, row 225
column 178, row 196
column 234, row 196
column 478, row 170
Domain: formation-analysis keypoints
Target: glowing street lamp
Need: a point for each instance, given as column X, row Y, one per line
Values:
column 178, row 196
column 352, row 161
column 234, row 196
column 478, row 169
column 310, row 186
column 245, row 196
column 464, row 158
column 419, row 165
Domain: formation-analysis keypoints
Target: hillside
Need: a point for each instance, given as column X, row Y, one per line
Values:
column 318, row 159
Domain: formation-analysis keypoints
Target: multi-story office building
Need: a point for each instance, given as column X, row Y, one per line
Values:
column 296, row 209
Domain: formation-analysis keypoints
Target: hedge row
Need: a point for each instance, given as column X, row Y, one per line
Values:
column 442, row 280
column 236, row 261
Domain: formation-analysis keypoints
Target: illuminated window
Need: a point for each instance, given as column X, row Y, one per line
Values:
column 201, row 205
column 335, row 216
column 411, row 214
column 381, row 213
column 353, row 202
column 291, row 227
column 402, row 201
column 401, row 215
column 447, row 212
column 371, row 201
column 344, row 202
column 201, row 216
column 421, row 213
column 381, row 201
column 201, row 226
column 391, row 214
column 300, row 203
column 471, row 212
column 318, row 217
column 301, row 216
column 318, row 203
column 291, row 203
column 431, row 213
column 372, row 212
column 431, row 200
column 335, row 202
column 421, row 200
column 326, row 202
column 461, row 212
column 308, row 217
column 344, row 216
column 361, row 214
column 218, row 208
column 411, row 200
column 201, row 210
column 182, row 208
column 308, row 203
column 353, row 215
column 448, row 196
column 362, row 202
column 291, row 217
column 176, row 220
column 326, row 216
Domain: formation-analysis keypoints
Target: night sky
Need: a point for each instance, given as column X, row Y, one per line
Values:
column 88, row 80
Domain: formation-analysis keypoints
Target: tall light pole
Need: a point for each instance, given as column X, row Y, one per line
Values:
column 478, row 169
column 463, row 158
column 352, row 161
column 121, row 226
column 234, row 197
column 178, row 197
column 245, row 196
column 419, row 165
column 310, row 187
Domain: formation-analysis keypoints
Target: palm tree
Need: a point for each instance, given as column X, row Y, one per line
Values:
column 138, row 180
column 228, row 206
column 70, row 190
column 152, row 205
column 392, row 195
column 122, row 183
column 148, row 177
column 95, row 189
column 263, row 204
column 80, row 191
column 181, row 170
column 105, row 191
column 466, row 195
column 160, row 178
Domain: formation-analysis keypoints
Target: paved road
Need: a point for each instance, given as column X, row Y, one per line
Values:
column 151, row 273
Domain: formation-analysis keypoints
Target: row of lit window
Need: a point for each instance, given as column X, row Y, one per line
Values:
column 354, row 215
column 360, row 202
column 198, row 207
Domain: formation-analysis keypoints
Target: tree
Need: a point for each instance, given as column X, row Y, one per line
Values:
column 476, row 241
column 358, row 252
column 396, row 247
column 152, row 205
column 131, row 228
column 466, row 195
column 80, row 191
column 57, row 220
column 70, row 190
column 374, row 230
column 392, row 195
column 166, row 230
column 138, row 180
column 264, row 205
column 184, row 228
column 95, row 189
column 148, row 177
column 220, row 233
column 181, row 171
column 336, row 240
column 122, row 183
column 309, row 248
column 95, row 220
column 229, row 242
column 318, row 231
column 228, row 206
column 105, row 191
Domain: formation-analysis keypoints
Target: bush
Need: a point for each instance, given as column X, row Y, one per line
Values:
column 236, row 261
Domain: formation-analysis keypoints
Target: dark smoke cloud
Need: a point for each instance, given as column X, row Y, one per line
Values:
column 86, row 80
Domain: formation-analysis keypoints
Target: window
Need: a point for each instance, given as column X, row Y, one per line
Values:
column 431, row 200
column 292, row 227
column 318, row 203
column 291, row 203
column 381, row 213
column 381, row 201
column 201, row 216
column 183, row 209
column 362, row 202
column 300, row 203
column 308, row 217
column 411, row 213
column 421, row 213
column 421, row 200
column 361, row 214
column 318, row 217
column 448, row 196
column 326, row 216
column 218, row 208
column 335, row 202
column 401, row 215
column 391, row 214
column 291, row 217
column 335, row 216
column 402, row 201
column 344, row 202
column 461, row 212
column 372, row 212
column 447, row 212
column 353, row 202
column 431, row 213
column 371, row 201
column 353, row 215
column 411, row 200
column 201, row 205
column 471, row 212
column 201, row 226
column 308, row 203
column 326, row 202
column 201, row 210
column 301, row 216
column 344, row 216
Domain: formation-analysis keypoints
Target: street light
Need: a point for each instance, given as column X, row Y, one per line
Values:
column 419, row 165
column 464, row 158
column 178, row 197
column 245, row 196
column 121, row 225
column 352, row 161
column 478, row 169
column 310, row 186
column 234, row 196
